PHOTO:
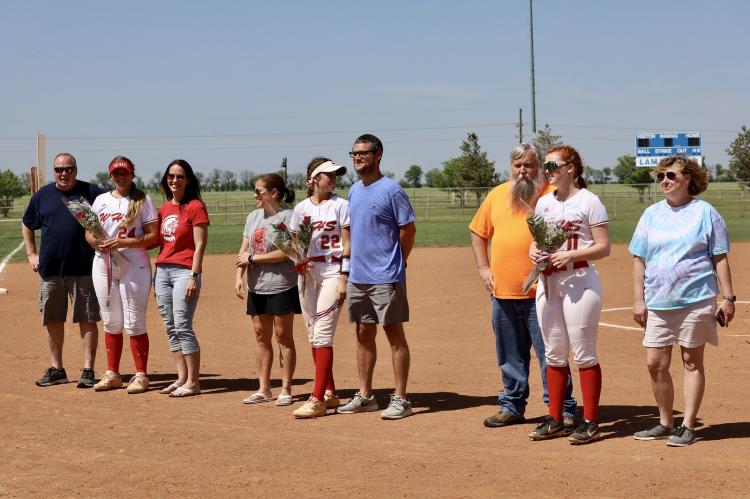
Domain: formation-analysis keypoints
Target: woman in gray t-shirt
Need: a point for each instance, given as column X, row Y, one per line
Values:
column 271, row 287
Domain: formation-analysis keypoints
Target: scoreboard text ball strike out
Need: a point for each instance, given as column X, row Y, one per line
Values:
column 650, row 148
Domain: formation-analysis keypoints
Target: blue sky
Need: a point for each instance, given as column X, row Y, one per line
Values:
column 239, row 85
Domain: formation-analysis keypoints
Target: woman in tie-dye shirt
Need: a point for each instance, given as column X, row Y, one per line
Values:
column 680, row 247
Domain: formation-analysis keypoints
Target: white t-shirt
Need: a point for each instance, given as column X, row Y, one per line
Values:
column 583, row 210
column 327, row 218
column 111, row 211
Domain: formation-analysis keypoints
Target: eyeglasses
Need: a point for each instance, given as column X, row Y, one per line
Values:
column 551, row 166
column 670, row 175
column 259, row 193
column 172, row 176
column 354, row 154
column 65, row 169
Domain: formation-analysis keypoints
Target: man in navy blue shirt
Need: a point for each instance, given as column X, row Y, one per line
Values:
column 64, row 268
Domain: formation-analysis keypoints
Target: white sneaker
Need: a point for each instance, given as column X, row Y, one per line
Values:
column 138, row 384
column 398, row 408
column 109, row 381
column 313, row 408
column 359, row 403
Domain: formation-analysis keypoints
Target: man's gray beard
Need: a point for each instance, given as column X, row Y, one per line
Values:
column 524, row 194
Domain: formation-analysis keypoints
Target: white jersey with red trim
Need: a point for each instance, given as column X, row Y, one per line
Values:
column 111, row 211
column 327, row 218
column 583, row 211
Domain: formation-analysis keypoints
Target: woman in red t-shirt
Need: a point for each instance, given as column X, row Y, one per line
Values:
column 182, row 239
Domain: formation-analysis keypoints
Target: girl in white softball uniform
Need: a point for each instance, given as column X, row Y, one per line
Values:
column 323, row 290
column 122, row 283
column 569, row 296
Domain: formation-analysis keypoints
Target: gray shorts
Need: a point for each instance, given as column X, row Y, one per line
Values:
column 378, row 303
column 53, row 299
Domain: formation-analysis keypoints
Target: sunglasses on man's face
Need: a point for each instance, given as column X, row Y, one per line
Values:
column 65, row 169
column 670, row 175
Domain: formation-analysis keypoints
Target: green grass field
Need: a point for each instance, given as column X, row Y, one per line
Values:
column 442, row 217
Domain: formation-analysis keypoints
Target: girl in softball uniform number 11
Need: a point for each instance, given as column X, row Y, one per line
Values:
column 122, row 286
column 569, row 299
column 323, row 289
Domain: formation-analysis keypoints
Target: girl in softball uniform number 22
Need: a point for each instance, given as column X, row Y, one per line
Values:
column 569, row 298
column 122, row 288
column 323, row 289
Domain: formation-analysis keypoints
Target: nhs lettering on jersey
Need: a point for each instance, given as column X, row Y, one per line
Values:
column 324, row 226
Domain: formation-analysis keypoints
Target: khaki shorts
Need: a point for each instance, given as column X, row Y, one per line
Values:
column 53, row 299
column 382, row 304
column 691, row 326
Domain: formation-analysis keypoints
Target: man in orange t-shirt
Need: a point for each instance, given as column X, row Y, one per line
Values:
column 502, row 218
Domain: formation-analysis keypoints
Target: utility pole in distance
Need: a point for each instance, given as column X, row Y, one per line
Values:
column 283, row 165
column 533, row 84
column 520, row 126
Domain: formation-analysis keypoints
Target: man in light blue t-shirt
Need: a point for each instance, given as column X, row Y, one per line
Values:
column 382, row 236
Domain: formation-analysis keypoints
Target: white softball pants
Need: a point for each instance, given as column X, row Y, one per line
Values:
column 123, row 300
column 569, row 317
column 317, row 297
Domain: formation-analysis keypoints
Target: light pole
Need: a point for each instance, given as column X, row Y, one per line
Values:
column 533, row 84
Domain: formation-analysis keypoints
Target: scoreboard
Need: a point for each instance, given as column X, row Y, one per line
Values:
column 650, row 148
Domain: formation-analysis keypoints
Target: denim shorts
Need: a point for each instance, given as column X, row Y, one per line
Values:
column 378, row 303
column 53, row 299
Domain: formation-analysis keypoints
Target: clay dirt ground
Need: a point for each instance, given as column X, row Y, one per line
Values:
column 64, row 442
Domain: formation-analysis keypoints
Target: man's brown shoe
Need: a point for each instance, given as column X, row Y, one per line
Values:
column 503, row 419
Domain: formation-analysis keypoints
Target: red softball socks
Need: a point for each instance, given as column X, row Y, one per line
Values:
column 557, row 382
column 323, row 371
column 591, row 387
column 113, row 342
column 139, row 349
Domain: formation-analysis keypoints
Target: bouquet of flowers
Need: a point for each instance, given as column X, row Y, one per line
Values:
column 295, row 249
column 548, row 239
column 82, row 212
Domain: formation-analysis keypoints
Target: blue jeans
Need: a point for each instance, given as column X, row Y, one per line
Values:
column 516, row 332
column 176, row 312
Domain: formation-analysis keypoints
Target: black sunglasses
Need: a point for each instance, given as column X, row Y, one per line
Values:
column 65, row 169
column 551, row 166
column 670, row 175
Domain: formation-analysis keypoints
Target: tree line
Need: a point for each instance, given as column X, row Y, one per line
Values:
column 472, row 168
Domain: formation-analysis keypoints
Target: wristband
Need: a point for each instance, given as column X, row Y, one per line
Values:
column 345, row 265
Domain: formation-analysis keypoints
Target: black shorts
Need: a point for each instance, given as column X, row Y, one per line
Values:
column 282, row 303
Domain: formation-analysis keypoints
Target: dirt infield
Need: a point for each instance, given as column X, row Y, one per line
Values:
column 62, row 441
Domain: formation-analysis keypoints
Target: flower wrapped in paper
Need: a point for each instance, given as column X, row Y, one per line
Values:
column 296, row 246
column 291, row 247
column 548, row 239
column 82, row 212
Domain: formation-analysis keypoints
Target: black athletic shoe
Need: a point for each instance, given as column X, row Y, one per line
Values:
column 87, row 379
column 52, row 376
column 587, row 432
column 549, row 428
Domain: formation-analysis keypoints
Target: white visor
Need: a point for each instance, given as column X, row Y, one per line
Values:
column 329, row 167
